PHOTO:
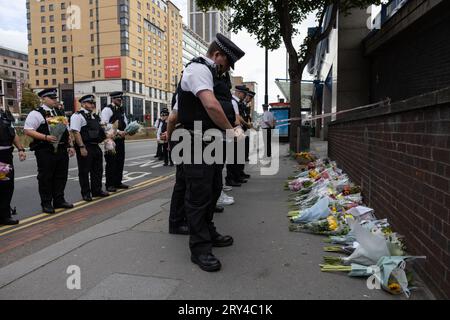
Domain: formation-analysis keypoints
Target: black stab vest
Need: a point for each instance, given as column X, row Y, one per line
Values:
column 7, row 132
column 118, row 114
column 43, row 129
column 190, row 108
column 92, row 132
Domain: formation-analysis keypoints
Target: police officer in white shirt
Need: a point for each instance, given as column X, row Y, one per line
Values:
column 204, row 95
column 115, row 162
column 267, row 125
column 52, row 166
column 88, row 133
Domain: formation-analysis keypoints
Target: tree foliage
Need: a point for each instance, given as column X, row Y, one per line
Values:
column 274, row 22
column 29, row 100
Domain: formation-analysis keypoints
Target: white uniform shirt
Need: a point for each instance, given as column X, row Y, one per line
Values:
column 77, row 121
column 197, row 77
column 235, row 104
column 35, row 118
column 267, row 117
column 106, row 115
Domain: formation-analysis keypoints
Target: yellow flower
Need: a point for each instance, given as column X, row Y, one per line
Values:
column 395, row 288
column 332, row 223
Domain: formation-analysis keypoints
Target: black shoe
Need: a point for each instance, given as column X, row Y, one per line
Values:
column 9, row 222
column 166, row 165
column 222, row 241
column 183, row 229
column 48, row 209
column 232, row 183
column 219, row 209
column 87, row 198
column 111, row 189
column 101, row 194
column 207, row 262
column 171, row 164
column 122, row 186
column 242, row 181
column 63, row 205
column 245, row 176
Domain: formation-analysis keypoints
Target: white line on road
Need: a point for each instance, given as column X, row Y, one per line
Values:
column 76, row 168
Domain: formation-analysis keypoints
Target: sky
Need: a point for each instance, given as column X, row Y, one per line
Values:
column 13, row 34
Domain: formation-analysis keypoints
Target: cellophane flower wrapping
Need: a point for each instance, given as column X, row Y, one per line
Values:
column 57, row 127
column 133, row 128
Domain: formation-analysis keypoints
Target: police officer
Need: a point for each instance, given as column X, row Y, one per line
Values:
column 204, row 95
column 8, row 138
column 52, row 165
column 248, row 119
column 88, row 133
column 115, row 162
column 234, row 178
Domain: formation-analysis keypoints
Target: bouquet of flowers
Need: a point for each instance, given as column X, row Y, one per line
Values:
column 57, row 126
column 5, row 169
column 111, row 134
column 133, row 128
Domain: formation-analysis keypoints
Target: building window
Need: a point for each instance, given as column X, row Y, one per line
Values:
column 43, row 19
column 64, row 49
column 36, row 72
column 53, row 50
column 36, row 52
column 64, row 38
column 44, row 40
column 54, row 82
column 44, row 61
column 63, row 6
column 44, row 50
column 37, row 83
column 66, row 70
column 65, row 59
column 45, row 82
column 52, row 18
column 93, row 74
column 63, row 27
column 53, row 71
column 42, row 8
column 50, row 7
column 66, row 81
column 53, row 60
column 52, row 39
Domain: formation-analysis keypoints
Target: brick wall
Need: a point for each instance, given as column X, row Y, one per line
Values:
column 415, row 60
column 400, row 155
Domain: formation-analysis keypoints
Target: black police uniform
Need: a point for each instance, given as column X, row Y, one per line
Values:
column 92, row 165
column 177, row 216
column 203, row 181
column 53, row 166
column 7, row 135
column 245, row 114
column 115, row 162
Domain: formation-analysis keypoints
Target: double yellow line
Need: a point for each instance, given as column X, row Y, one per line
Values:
column 42, row 217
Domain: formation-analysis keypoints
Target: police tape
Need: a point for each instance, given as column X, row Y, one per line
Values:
column 385, row 102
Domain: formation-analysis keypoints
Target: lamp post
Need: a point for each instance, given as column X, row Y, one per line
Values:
column 73, row 78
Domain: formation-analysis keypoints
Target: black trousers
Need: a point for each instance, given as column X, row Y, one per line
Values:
column 114, row 165
column 53, row 169
column 166, row 154
column 203, row 188
column 268, row 142
column 234, row 170
column 7, row 186
column 247, row 148
column 177, row 215
column 159, row 150
column 91, row 167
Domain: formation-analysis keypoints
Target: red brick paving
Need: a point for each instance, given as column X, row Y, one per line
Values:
column 39, row 230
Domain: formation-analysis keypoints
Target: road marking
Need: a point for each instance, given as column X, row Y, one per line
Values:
column 79, row 205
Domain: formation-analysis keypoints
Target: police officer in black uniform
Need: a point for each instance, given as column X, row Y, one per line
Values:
column 248, row 120
column 88, row 133
column 8, row 138
column 53, row 166
column 115, row 162
column 204, row 95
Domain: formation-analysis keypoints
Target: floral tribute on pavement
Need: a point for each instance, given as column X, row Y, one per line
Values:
column 324, row 201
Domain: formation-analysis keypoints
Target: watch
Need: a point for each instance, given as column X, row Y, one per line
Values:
column 21, row 150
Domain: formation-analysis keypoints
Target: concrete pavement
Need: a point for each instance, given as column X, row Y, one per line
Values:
column 132, row 256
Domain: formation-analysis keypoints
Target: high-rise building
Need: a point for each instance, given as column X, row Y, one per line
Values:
column 193, row 45
column 208, row 24
column 13, row 77
column 125, row 45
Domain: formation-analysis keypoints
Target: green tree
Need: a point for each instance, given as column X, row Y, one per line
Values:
column 277, row 21
column 30, row 100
